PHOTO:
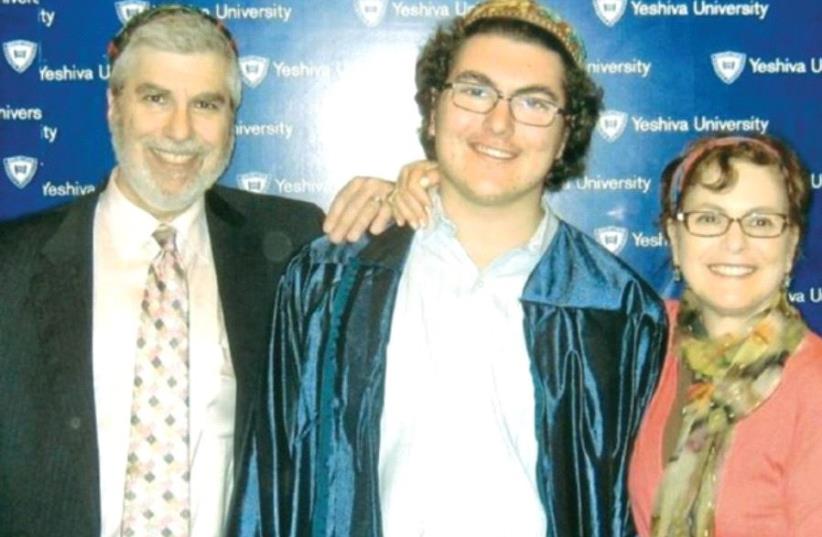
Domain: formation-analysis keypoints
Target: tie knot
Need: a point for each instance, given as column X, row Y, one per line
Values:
column 164, row 235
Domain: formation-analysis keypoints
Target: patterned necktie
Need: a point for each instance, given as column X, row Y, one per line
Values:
column 156, row 498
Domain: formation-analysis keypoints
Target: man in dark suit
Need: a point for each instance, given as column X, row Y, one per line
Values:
column 75, row 290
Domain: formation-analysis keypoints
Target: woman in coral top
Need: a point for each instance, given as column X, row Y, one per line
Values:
column 731, row 444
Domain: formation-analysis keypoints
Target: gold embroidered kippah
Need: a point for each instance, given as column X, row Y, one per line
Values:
column 531, row 12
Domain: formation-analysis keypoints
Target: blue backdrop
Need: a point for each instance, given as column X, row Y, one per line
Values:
column 328, row 94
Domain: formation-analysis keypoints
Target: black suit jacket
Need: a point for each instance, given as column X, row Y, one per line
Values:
column 49, row 470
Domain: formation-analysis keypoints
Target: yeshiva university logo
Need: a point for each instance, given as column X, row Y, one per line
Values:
column 20, row 170
column 253, row 69
column 20, row 54
column 728, row 65
column 256, row 182
column 610, row 11
column 128, row 8
column 370, row 12
column 614, row 238
column 612, row 124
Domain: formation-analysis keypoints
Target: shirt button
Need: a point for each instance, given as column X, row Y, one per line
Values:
column 74, row 423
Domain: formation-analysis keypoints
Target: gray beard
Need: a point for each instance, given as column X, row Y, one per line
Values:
column 149, row 191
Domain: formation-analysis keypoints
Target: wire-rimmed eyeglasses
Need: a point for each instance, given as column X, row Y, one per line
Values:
column 529, row 108
column 760, row 225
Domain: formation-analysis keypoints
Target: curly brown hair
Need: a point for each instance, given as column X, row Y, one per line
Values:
column 759, row 149
column 583, row 96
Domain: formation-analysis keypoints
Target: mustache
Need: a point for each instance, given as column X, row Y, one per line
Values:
column 185, row 147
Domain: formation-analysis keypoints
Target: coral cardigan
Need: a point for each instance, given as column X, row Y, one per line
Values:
column 771, row 481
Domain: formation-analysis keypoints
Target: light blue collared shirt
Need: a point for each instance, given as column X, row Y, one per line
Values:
column 458, row 448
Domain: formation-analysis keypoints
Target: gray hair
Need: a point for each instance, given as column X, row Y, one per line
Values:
column 176, row 29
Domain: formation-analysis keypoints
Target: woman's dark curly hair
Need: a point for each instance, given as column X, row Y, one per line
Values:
column 583, row 96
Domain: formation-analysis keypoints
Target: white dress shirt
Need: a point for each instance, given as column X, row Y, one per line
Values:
column 458, row 448
column 123, row 249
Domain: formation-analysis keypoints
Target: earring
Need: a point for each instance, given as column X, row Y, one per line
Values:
column 786, row 281
column 677, row 274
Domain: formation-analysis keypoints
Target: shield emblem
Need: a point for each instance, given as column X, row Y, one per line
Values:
column 253, row 69
column 128, row 8
column 20, row 53
column 728, row 65
column 254, row 182
column 610, row 11
column 612, row 124
column 370, row 12
column 614, row 238
column 20, row 170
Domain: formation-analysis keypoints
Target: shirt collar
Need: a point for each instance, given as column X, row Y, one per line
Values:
column 441, row 225
column 133, row 226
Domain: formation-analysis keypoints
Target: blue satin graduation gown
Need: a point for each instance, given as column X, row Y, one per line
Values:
column 595, row 333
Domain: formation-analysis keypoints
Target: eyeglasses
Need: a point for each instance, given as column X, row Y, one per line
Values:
column 714, row 224
column 529, row 108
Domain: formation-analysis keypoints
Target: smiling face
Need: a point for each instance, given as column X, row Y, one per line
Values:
column 734, row 276
column 171, row 126
column 489, row 159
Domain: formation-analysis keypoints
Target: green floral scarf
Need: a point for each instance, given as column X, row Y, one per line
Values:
column 732, row 376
